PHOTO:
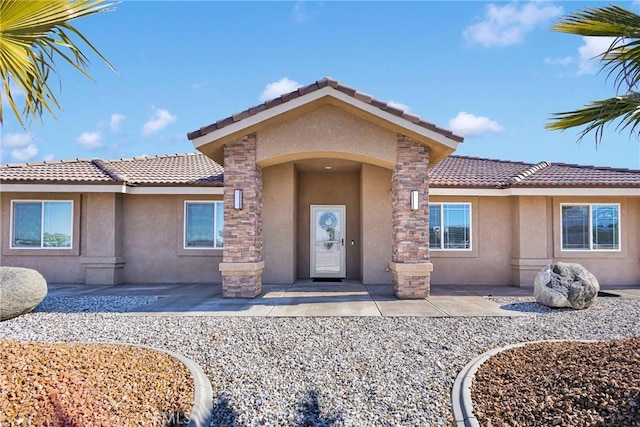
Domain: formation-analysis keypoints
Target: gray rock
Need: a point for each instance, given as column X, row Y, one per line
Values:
column 21, row 290
column 565, row 285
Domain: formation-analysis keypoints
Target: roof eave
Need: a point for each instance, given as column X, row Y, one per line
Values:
column 211, row 142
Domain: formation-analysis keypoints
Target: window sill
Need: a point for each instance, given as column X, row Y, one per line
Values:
column 41, row 252
column 589, row 255
column 213, row 253
column 453, row 253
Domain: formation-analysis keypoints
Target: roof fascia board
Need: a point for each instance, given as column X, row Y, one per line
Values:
column 328, row 91
column 123, row 189
column 496, row 192
column 176, row 190
column 259, row 118
column 63, row 188
column 398, row 121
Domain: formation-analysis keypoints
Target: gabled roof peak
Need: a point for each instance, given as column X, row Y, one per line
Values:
column 313, row 87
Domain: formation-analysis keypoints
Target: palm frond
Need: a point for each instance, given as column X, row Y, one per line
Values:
column 608, row 21
column 33, row 35
column 596, row 115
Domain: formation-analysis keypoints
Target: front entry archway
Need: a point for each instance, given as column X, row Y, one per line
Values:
column 327, row 241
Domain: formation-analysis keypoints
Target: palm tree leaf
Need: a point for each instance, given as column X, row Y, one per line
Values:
column 34, row 34
column 596, row 115
column 609, row 21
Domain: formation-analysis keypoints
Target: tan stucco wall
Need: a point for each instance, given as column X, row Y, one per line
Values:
column 514, row 237
column 56, row 265
column 610, row 268
column 144, row 232
column 279, row 231
column 153, row 243
column 531, row 238
column 488, row 260
column 329, row 188
column 103, row 222
column 329, row 133
column 376, row 224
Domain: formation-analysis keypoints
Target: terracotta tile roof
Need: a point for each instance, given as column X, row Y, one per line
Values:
column 188, row 168
column 198, row 169
column 458, row 171
column 154, row 170
column 464, row 172
column 79, row 170
column 322, row 83
column 564, row 175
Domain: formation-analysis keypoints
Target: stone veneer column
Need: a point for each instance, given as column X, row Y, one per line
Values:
column 242, row 263
column 410, row 264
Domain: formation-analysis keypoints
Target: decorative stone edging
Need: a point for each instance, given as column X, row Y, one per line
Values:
column 202, row 391
column 461, row 392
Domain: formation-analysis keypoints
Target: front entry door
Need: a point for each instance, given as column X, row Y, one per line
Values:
column 327, row 241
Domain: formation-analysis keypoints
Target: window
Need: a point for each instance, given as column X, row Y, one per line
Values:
column 203, row 225
column 41, row 224
column 450, row 226
column 590, row 227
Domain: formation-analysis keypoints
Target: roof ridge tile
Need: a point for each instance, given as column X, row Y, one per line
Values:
column 105, row 169
column 526, row 173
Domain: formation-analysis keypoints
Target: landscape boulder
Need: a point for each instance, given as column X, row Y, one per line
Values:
column 21, row 290
column 565, row 285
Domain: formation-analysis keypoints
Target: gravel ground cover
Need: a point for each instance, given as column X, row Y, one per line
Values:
column 333, row 371
column 43, row 384
column 582, row 384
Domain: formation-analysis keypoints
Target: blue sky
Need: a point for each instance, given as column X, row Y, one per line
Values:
column 491, row 71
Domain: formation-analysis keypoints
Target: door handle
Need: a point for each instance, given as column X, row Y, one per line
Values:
column 342, row 242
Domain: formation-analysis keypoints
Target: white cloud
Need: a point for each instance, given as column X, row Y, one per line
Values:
column 564, row 62
column 275, row 89
column 24, row 154
column 15, row 140
column 114, row 123
column 301, row 12
column 399, row 105
column 49, row 157
column 507, row 25
column 160, row 119
column 90, row 140
column 590, row 52
column 468, row 124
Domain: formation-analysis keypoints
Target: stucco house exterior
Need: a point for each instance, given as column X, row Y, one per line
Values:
column 325, row 182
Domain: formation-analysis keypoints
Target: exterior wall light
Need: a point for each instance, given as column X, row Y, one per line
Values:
column 415, row 205
column 237, row 200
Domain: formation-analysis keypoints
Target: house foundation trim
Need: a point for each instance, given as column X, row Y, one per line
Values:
column 101, row 270
column 411, row 281
column 241, row 279
column 525, row 269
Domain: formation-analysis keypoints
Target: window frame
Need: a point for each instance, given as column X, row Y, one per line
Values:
column 215, row 204
column 469, row 205
column 42, row 213
column 590, row 231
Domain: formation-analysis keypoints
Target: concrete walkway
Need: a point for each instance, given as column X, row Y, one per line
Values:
column 306, row 298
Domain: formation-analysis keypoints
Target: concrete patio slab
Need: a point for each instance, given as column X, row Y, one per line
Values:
column 626, row 292
column 390, row 306
column 325, row 306
column 469, row 306
column 306, row 298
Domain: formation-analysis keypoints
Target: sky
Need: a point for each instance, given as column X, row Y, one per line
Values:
column 493, row 72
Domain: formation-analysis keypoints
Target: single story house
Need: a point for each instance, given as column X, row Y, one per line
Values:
column 325, row 182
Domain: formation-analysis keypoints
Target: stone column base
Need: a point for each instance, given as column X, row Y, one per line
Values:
column 100, row 270
column 524, row 270
column 411, row 281
column 241, row 279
